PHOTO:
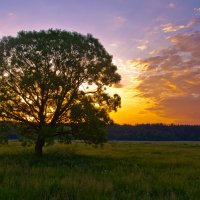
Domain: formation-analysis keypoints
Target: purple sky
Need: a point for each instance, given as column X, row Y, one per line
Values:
column 130, row 30
column 114, row 22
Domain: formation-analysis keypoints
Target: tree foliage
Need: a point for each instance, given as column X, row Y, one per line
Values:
column 53, row 78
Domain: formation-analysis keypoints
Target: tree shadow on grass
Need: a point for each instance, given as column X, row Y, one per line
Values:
column 66, row 160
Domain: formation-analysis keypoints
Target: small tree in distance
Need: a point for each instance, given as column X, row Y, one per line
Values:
column 50, row 79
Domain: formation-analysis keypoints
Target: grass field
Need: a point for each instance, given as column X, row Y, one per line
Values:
column 116, row 171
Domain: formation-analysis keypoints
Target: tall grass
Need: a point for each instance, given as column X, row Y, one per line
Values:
column 116, row 171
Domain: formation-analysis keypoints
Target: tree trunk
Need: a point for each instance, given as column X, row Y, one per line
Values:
column 39, row 145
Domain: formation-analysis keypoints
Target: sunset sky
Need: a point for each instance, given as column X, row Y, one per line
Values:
column 154, row 43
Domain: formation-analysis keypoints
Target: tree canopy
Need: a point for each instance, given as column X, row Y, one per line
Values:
column 53, row 78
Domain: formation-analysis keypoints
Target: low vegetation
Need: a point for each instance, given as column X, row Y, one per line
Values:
column 129, row 170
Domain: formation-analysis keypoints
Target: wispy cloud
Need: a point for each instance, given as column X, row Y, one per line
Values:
column 153, row 52
column 113, row 44
column 172, row 5
column 11, row 14
column 143, row 45
column 172, row 79
column 197, row 10
column 173, row 28
column 194, row 22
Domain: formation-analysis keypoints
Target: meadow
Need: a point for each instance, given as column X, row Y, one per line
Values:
column 118, row 170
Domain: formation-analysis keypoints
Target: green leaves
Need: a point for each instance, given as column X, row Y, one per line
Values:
column 43, row 86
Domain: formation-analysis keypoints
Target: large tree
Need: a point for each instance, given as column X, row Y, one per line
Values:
column 50, row 79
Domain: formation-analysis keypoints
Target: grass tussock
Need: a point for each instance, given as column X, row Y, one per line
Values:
column 116, row 171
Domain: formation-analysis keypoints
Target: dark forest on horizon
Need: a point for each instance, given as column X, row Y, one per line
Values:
column 142, row 132
column 154, row 132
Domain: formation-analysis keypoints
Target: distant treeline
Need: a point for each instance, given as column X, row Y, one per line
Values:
column 154, row 132
column 143, row 132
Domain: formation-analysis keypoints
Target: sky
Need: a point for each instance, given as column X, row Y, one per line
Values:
column 155, row 45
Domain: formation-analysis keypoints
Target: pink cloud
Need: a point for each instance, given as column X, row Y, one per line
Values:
column 172, row 79
column 172, row 5
column 169, row 27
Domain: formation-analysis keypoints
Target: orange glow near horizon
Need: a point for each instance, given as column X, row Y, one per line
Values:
column 155, row 48
column 134, row 111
